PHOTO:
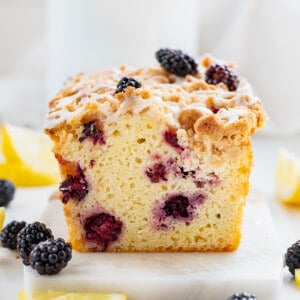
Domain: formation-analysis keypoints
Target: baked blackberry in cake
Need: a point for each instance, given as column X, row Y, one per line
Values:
column 161, row 164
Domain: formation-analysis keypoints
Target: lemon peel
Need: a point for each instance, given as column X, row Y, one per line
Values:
column 287, row 179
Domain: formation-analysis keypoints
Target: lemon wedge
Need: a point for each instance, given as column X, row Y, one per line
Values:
column 28, row 159
column 297, row 276
column 2, row 217
column 71, row 296
column 287, row 179
column 24, row 176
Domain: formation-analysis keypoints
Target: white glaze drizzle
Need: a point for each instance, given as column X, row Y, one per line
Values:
column 88, row 87
column 232, row 114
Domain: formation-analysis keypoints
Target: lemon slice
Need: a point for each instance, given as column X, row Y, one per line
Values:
column 297, row 276
column 28, row 159
column 2, row 217
column 71, row 296
column 287, row 179
column 24, row 176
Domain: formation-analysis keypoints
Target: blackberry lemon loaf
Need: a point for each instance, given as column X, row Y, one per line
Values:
column 156, row 158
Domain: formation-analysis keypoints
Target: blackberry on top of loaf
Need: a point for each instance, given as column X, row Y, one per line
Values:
column 155, row 158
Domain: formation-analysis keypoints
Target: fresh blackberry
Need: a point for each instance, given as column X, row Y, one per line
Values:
column 51, row 256
column 7, row 191
column 125, row 82
column 30, row 236
column 220, row 73
column 292, row 257
column 176, row 62
column 8, row 236
column 242, row 296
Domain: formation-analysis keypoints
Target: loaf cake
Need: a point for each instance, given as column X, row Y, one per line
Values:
column 155, row 159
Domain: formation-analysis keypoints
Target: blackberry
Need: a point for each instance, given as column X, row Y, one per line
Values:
column 220, row 73
column 7, row 192
column 176, row 62
column 292, row 257
column 8, row 236
column 30, row 236
column 51, row 256
column 102, row 229
column 171, row 138
column 242, row 296
column 125, row 82
column 177, row 206
column 90, row 130
column 157, row 173
column 75, row 187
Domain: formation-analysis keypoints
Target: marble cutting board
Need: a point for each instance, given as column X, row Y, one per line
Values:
column 256, row 267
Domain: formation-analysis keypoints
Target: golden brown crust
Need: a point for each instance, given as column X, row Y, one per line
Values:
column 210, row 126
column 188, row 117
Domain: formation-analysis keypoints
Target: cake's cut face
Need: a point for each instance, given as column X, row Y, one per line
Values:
column 160, row 165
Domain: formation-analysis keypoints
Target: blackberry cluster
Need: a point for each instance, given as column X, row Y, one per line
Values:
column 220, row 73
column 29, row 237
column 7, row 191
column 292, row 257
column 125, row 82
column 242, row 296
column 8, row 236
column 176, row 62
column 50, row 257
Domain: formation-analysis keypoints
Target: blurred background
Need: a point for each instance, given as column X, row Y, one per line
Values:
column 45, row 42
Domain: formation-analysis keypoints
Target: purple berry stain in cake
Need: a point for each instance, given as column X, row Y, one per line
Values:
column 212, row 180
column 214, row 109
column 91, row 130
column 74, row 186
column 92, row 163
column 177, row 207
column 186, row 173
column 160, row 170
column 170, row 138
column 157, row 173
column 102, row 229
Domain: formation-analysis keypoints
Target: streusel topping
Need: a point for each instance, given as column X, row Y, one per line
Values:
column 160, row 90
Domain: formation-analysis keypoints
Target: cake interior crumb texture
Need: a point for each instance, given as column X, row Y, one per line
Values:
column 163, row 167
